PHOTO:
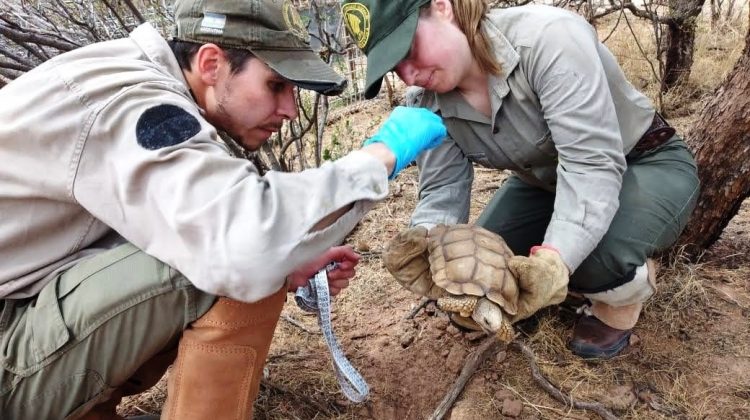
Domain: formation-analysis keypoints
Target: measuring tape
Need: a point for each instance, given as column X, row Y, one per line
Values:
column 316, row 298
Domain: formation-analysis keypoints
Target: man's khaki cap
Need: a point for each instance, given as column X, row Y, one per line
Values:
column 383, row 30
column 271, row 29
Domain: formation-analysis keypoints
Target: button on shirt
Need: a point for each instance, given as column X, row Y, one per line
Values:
column 74, row 173
column 563, row 119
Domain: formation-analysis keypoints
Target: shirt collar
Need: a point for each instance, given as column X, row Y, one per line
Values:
column 452, row 104
column 157, row 50
column 506, row 55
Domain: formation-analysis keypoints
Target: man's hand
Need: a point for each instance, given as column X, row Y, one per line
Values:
column 338, row 278
column 542, row 280
column 408, row 132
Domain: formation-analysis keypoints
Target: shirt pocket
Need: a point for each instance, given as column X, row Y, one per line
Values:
column 538, row 151
column 479, row 158
column 38, row 332
column 545, row 145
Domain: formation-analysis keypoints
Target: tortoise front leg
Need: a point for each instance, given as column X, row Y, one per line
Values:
column 463, row 305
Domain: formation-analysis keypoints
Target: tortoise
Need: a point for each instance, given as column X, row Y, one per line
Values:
column 463, row 267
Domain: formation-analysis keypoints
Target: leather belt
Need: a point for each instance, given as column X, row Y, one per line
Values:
column 657, row 134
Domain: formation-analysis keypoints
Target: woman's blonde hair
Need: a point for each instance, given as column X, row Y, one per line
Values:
column 469, row 15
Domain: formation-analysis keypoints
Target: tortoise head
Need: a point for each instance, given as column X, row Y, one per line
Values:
column 493, row 319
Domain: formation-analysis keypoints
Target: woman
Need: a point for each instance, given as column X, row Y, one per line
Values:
column 600, row 182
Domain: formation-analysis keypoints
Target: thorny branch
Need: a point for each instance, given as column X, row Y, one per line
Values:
column 566, row 399
column 488, row 347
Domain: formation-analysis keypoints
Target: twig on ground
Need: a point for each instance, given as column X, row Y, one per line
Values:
column 370, row 255
column 542, row 381
column 148, row 413
column 723, row 295
column 361, row 334
column 418, row 308
column 322, row 409
column 487, row 188
column 298, row 324
column 483, row 351
column 287, row 356
column 538, row 407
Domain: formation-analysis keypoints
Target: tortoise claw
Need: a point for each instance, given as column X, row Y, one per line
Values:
column 506, row 334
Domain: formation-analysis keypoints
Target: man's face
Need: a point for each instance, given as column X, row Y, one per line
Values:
column 252, row 104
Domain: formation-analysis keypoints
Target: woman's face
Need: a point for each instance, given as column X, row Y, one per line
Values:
column 440, row 57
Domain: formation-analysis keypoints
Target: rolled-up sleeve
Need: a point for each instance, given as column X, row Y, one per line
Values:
column 230, row 231
column 579, row 110
column 445, row 178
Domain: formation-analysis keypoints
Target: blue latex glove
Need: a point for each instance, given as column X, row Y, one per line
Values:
column 408, row 132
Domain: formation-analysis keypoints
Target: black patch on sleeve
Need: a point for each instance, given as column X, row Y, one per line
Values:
column 165, row 125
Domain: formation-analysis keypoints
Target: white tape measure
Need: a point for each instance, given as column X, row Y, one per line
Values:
column 316, row 298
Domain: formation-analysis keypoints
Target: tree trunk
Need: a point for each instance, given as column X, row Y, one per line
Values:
column 680, row 41
column 721, row 141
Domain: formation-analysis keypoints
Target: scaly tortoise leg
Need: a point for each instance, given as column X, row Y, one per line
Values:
column 463, row 305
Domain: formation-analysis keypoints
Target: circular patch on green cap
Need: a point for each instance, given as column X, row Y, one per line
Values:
column 293, row 20
column 357, row 20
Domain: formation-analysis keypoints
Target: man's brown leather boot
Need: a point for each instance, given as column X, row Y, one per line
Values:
column 144, row 378
column 105, row 410
column 220, row 360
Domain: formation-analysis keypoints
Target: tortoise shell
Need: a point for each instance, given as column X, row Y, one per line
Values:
column 471, row 260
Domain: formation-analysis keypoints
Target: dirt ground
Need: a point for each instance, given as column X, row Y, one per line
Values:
column 689, row 358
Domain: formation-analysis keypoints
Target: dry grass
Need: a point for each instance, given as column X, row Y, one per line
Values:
column 716, row 52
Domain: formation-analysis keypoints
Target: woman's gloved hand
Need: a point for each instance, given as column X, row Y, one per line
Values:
column 408, row 132
column 542, row 280
column 407, row 259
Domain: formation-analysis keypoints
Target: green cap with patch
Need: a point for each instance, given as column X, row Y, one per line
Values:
column 271, row 29
column 384, row 31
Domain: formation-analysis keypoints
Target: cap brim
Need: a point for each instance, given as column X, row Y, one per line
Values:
column 384, row 55
column 305, row 69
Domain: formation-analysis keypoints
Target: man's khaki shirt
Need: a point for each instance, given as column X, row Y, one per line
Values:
column 73, row 174
column 563, row 119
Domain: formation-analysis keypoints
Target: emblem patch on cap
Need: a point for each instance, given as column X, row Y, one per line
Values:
column 294, row 21
column 357, row 21
column 213, row 23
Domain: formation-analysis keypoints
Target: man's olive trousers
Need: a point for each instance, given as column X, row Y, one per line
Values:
column 88, row 331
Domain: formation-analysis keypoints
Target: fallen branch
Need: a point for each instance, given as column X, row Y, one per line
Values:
column 483, row 351
column 542, row 381
column 298, row 324
column 419, row 307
